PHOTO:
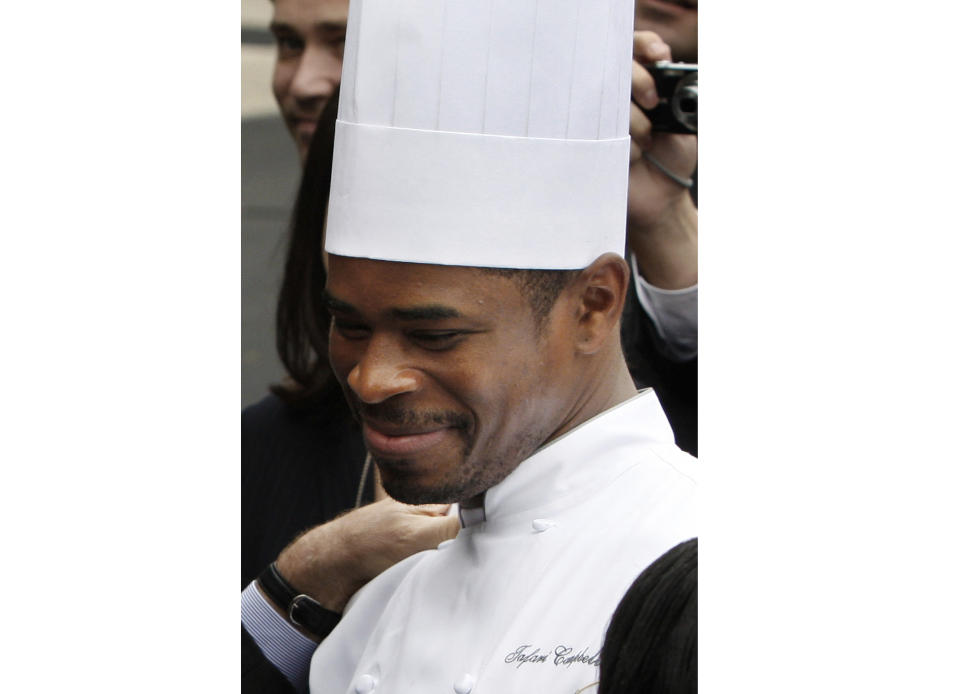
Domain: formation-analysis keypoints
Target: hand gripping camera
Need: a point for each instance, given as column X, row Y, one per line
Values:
column 678, row 87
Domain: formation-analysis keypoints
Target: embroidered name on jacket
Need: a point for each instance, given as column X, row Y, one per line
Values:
column 561, row 656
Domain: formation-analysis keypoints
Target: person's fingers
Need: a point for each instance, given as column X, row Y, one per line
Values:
column 640, row 129
column 648, row 47
column 424, row 532
column 444, row 528
column 431, row 509
column 643, row 87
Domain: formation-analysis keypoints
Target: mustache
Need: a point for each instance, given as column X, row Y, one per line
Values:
column 394, row 413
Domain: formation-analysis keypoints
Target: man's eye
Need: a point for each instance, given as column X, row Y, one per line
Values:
column 437, row 339
column 351, row 331
column 335, row 44
column 287, row 45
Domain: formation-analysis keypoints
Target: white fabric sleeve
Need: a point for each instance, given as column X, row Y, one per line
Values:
column 675, row 315
column 285, row 647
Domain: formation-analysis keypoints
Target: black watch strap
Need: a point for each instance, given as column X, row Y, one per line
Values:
column 301, row 609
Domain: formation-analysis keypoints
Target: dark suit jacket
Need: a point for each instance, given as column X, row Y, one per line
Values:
column 259, row 675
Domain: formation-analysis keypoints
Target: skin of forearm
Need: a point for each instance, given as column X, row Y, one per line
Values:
column 323, row 567
column 667, row 250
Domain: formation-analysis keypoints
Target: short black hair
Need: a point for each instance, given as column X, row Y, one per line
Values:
column 540, row 287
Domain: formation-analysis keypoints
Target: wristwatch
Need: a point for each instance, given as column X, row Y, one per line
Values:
column 301, row 609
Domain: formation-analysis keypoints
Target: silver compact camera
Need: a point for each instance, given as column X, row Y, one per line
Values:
column 678, row 87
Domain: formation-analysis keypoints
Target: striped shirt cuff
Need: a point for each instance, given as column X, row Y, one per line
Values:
column 674, row 313
column 284, row 646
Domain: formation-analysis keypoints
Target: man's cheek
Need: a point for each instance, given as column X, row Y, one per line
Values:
column 281, row 83
column 340, row 365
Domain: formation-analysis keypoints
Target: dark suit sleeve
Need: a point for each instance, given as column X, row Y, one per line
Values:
column 676, row 383
column 259, row 676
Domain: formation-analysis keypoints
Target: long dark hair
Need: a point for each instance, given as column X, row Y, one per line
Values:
column 302, row 325
column 651, row 645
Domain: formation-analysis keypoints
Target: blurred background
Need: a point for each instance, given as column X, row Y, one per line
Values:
column 270, row 173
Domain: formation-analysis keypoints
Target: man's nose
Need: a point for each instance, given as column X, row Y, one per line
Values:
column 381, row 374
column 317, row 74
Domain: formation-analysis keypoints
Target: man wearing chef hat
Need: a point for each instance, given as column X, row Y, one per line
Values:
column 475, row 236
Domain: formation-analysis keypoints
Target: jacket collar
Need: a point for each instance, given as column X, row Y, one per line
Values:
column 567, row 469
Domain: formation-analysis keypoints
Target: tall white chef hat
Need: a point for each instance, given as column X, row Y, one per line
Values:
column 488, row 133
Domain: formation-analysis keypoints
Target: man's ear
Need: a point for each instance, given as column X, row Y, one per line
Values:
column 601, row 293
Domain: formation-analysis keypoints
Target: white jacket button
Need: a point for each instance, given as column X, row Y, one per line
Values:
column 464, row 685
column 365, row 684
column 542, row 524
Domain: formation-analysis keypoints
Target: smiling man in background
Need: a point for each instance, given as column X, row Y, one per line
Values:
column 309, row 38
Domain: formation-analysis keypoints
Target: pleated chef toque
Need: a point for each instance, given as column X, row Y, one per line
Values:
column 487, row 133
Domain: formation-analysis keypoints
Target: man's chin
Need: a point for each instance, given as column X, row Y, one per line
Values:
column 302, row 148
column 401, row 482
column 416, row 494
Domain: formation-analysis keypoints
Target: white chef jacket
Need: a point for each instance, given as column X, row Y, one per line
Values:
column 520, row 601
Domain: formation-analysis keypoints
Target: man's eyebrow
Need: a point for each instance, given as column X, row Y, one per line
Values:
column 425, row 312
column 338, row 305
column 323, row 27
column 428, row 312
column 330, row 27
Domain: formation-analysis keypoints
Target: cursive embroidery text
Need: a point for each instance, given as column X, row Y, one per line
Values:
column 560, row 656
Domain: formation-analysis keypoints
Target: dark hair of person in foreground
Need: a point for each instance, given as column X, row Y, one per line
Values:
column 650, row 645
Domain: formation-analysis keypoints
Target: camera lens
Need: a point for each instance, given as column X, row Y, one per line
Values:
column 685, row 102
